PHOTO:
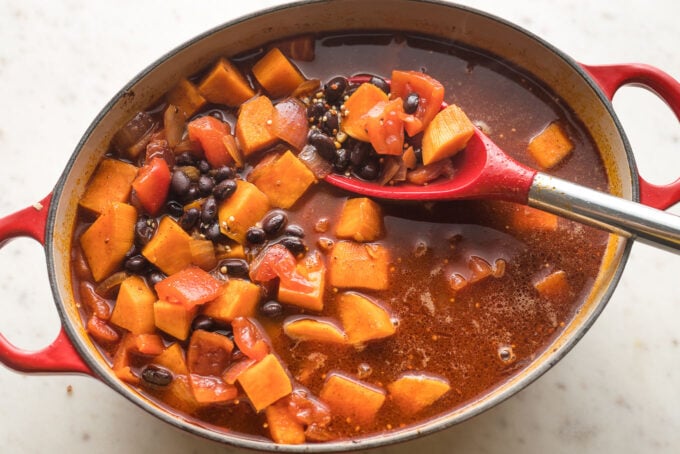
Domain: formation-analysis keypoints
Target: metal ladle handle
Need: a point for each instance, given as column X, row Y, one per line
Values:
column 614, row 214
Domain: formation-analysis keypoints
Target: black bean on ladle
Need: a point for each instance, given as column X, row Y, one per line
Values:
column 380, row 83
column 334, row 89
column 323, row 143
column 411, row 103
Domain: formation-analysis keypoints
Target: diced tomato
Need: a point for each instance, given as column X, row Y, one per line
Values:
column 101, row 330
column 385, row 127
column 210, row 133
column 430, row 92
column 277, row 261
column 151, row 185
column 249, row 338
column 191, row 287
column 231, row 375
column 289, row 122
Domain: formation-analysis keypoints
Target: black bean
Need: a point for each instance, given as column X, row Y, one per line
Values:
column 294, row 230
column 330, row 122
column 369, row 170
column 359, row 153
column 224, row 189
column 205, row 185
column 193, row 194
column 144, row 230
column 209, row 210
column 234, row 267
column 271, row 309
column 155, row 375
column 174, row 208
column 334, row 89
column 380, row 83
column 294, row 244
column 315, row 111
column 341, row 160
column 203, row 322
column 188, row 220
column 324, row 145
column 136, row 264
column 255, row 235
column 419, row 154
column 222, row 173
column 274, row 221
column 203, row 166
column 185, row 159
column 229, row 333
column 213, row 233
column 155, row 277
column 180, row 183
column 411, row 103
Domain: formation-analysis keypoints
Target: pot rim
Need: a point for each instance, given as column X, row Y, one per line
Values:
column 463, row 413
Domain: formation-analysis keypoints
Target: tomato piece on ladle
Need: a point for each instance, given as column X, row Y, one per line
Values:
column 430, row 93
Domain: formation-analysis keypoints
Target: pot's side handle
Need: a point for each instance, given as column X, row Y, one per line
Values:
column 612, row 77
column 60, row 355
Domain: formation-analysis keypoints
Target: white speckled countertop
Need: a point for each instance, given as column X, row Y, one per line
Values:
column 61, row 61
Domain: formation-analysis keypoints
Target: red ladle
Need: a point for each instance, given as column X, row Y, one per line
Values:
column 484, row 170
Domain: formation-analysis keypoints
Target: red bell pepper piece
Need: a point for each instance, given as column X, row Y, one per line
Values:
column 151, row 185
column 210, row 133
column 191, row 287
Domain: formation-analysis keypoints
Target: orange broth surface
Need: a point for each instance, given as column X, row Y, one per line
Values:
column 473, row 336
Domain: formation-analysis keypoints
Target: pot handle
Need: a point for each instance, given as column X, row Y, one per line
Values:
column 60, row 355
column 612, row 77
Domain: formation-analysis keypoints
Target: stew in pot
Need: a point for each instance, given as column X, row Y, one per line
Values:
column 223, row 279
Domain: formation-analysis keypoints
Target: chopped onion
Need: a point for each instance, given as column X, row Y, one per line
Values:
column 174, row 122
column 131, row 139
column 306, row 88
column 109, row 286
column 289, row 122
column 318, row 165
column 390, row 167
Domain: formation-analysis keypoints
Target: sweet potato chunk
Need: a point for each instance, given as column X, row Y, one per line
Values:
column 211, row 390
column 309, row 296
column 203, row 253
column 413, row 392
column 363, row 319
column 111, row 182
column 314, row 329
column 252, row 128
column 357, row 106
column 169, row 248
column 179, row 395
column 239, row 298
column 550, row 146
column 283, row 428
column 360, row 220
column 208, row 353
column 172, row 359
column 108, row 239
column 284, row 179
column 186, row 97
column 174, row 319
column 447, row 134
column 359, row 265
column 242, row 210
column 265, row 382
column 225, row 84
column 354, row 399
column 134, row 306
column 554, row 286
column 277, row 75
column 528, row 219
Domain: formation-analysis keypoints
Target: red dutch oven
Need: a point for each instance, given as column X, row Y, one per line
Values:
column 587, row 89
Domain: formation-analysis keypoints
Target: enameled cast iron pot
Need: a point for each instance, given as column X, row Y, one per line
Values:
column 587, row 89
